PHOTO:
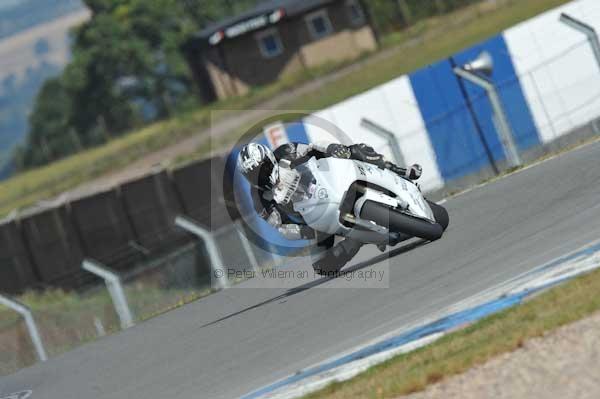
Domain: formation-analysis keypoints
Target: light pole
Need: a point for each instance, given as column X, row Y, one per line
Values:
column 478, row 72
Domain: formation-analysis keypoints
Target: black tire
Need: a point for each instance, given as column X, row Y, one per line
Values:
column 401, row 223
column 441, row 214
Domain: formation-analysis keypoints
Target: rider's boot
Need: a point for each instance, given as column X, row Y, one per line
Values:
column 336, row 257
column 394, row 240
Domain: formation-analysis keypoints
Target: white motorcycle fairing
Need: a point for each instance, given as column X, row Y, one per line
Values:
column 324, row 183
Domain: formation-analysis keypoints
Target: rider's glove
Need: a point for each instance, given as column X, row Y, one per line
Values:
column 338, row 151
column 366, row 153
column 414, row 171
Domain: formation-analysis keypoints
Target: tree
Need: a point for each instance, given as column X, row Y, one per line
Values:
column 404, row 12
column 127, row 61
column 48, row 122
column 126, row 69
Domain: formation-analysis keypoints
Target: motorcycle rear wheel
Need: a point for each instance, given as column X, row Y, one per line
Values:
column 398, row 222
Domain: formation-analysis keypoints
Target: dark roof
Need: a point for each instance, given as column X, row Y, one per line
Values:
column 291, row 8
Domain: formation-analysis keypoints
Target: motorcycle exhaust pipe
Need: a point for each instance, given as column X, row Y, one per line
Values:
column 372, row 236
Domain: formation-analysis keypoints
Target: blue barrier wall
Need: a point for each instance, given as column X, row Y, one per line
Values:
column 460, row 148
column 510, row 90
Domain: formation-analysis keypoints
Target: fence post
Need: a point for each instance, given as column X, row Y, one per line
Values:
column 36, row 339
column 115, row 289
column 587, row 30
column 247, row 246
column 216, row 262
column 506, row 134
column 388, row 136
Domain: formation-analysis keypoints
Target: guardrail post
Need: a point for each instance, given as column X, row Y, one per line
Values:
column 216, row 262
column 115, row 289
column 36, row 339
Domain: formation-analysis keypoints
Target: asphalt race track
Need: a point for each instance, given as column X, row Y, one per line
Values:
column 238, row 340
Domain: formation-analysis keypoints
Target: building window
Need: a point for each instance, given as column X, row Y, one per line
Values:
column 269, row 43
column 319, row 24
column 355, row 12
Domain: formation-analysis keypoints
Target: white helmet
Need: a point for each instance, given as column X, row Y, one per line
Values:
column 258, row 164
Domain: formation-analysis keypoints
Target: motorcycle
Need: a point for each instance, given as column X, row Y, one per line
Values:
column 359, row 200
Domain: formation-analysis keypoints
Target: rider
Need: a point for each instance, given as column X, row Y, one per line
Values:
column 261, row 167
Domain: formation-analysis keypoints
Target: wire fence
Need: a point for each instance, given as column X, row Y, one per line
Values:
column 561, row 94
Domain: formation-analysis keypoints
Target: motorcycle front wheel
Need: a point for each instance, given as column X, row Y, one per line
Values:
column 398, row 222
column 440, row 213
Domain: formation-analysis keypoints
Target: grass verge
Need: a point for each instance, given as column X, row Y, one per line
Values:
column 437, row 37
column 476, row 344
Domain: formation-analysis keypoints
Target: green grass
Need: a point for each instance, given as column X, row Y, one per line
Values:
column 440, row 38
column 461, row 350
